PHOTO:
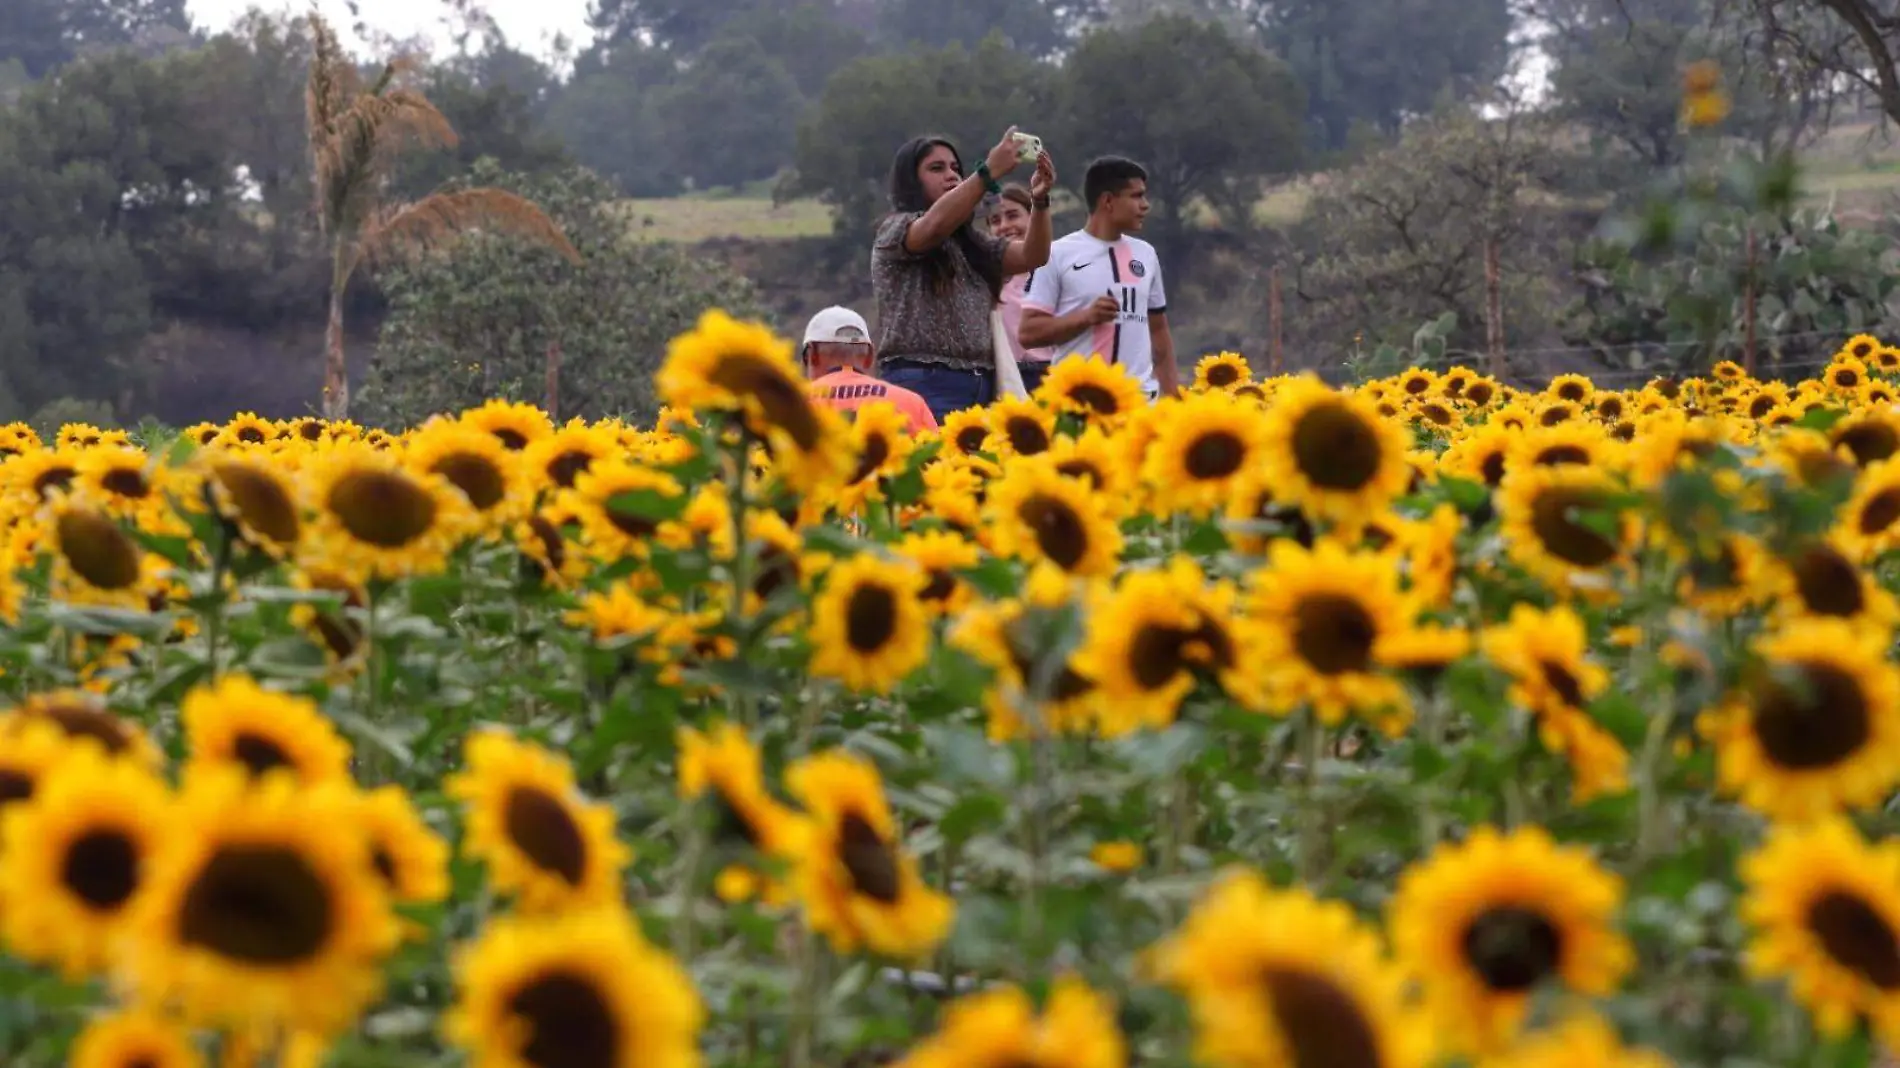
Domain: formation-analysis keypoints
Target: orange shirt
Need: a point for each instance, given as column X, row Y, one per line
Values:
column 846, row 390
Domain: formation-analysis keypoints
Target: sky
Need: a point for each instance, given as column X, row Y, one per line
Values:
column 529, row 24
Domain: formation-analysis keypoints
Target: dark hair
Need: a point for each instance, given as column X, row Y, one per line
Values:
column 1108, row 176
column 1018, row 195
column 907, row 195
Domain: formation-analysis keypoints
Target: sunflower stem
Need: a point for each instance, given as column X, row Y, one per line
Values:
column 1311, row 818
column 1649, row 794
column 804, row 997
column 741, row 561
column 214, row 606
column 1431, row 730
column 1036, row 835
column 693, row 858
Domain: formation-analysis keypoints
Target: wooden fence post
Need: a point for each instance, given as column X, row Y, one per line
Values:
column 1493, row 307
column 554, row 381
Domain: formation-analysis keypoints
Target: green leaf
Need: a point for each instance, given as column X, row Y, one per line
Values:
column 963, row 755
column 649, row 504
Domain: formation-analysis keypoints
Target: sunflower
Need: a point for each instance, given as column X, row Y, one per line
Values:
column 940, row 555
column 73, row 859
column 1820, row 578
column 1544, row 653
column 549, row 554
column 375, row 518
column 1825, row 908
column 1869, row 524
column 123, row 480
column 336, row 629
column 247, row 429
column 32, row 752
column 41, row 475
column 1845, row 375
column 1090, row 387
column 1870, row 435
column 725, row 763
column 254, row 496
column 1204, row 446
column 542, row 841
column 1021, row 427
column 1002, row 636
column 17, row 438
column 1582, row 444
column 95, row 561
column 999, row 1028
column 881, row 441
column 1886, row 359
column 1877, row 393
column 1584, row 1040
column 134, row 1039
column 1484, row 924
column 967, row 432
column 1816, row 727
column 1037, row 514
column 1222, row 371
column 1281, row 979
column 617, row 530
column 493, row 479
column 1417, row 382
column 81, row 718
column 869, row 627
column 562, row 456
column 1151, row 638
column 1724, row 575
column 857, row 885
column 1481, row 455
column 727, row 365
column 1322, row 615
column 578, row 990
column 515, row 425
column 236, row 722
column 1571, row 389
column 257, row 895
column 410, row 858
column 1331, row 455
column 1555, row 527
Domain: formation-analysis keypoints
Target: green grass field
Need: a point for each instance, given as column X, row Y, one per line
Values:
column 1854, row 166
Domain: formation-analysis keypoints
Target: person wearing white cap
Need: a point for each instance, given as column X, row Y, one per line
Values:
column 837, row 353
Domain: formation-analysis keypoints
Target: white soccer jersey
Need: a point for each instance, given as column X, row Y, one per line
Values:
column 1083, row 267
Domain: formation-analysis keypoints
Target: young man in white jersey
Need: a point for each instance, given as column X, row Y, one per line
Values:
column 1101, row 291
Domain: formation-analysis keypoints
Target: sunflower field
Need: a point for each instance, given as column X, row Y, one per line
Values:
column 1428, row 722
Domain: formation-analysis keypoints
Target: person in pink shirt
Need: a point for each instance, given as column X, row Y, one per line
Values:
column 837, row 352
column 1009, row 219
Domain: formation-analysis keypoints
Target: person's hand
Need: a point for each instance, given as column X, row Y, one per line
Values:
column 1045, row 177
column 1002, row 159
column 1105, row 310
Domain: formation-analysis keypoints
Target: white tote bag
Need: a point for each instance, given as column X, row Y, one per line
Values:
column 1009, row 377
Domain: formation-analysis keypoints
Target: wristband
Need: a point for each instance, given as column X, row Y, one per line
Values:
column 1041, row 203
column 990, row 184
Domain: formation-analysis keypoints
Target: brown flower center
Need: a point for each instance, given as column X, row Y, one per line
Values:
column 262, row 503
column 1215, row 455
column 385, row 509
column 1334, row 633
column 1026, row 436
column 1335, row 448
column 1554, row 520
column 97, row 550
column 261, row 905
column 870, row 860
column 1815, row 720
column 1060, row 532
column 543, row 829
column 1857, row 937
column 102, row 869
column 1512, row 949
column 783, row 401
column 870, row 618
column 1829, row 583
column 259, row 754
column 568, row 1023
column 476, row 476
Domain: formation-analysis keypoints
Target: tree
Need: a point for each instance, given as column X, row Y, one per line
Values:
column 609, row 119
column 1619, row 68
column 731, row 118
column 1208, row 114
column 1038, row 28
column 480, row 320
column 874, row 105
column 807, row 39
column 34, row 33
column 358, row 133
column 497, row 102
column 1856, row 41
column 1376, row 62
column 1400, row 238
column 680, row 26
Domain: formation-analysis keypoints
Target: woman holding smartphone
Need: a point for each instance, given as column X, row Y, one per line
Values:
column 936, row 278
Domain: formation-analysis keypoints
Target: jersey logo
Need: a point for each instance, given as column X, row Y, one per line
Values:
column 1079, row 266
column 1135, row 268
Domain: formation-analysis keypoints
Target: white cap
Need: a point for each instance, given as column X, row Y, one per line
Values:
column 837, row 324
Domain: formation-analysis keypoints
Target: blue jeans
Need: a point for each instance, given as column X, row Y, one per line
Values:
column 944, row 389
column 1033, row 373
